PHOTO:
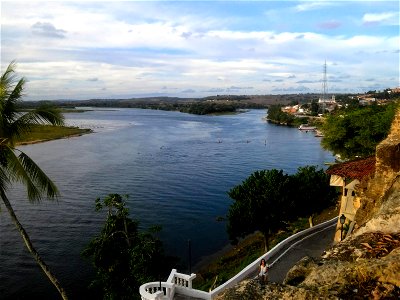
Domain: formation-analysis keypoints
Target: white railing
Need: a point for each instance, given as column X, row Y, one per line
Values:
column 252, row 268
column 157, row 290
column 182, row 283
column 176, row 283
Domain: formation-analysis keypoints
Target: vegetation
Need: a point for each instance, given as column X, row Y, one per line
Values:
column 356, row 132
column 15, row 165
column 268, row 199
column 276, row 115
column 124, row 257
column 40, row 133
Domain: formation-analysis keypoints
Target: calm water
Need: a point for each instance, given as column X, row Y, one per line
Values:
column 176, row 169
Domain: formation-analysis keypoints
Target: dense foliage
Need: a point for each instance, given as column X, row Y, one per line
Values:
column 269, row 198
column 276, row 115
column 198, row 107
column 356, row 132
column 204, row 106
column 123, row 256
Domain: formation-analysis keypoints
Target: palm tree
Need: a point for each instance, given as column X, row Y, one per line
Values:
column 15, row 165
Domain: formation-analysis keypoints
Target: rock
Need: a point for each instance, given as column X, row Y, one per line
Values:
column 251, row 290
column 300, row 271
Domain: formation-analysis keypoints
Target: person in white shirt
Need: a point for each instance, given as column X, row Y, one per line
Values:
column 263, row 272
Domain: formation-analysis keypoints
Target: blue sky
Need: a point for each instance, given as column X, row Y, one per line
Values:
column 110, row 49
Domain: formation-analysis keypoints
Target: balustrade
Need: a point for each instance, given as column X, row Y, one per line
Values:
column 182, row 284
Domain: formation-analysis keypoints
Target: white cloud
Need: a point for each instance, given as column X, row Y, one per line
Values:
column 115, row 48
column 386, row 18
column 312, row 5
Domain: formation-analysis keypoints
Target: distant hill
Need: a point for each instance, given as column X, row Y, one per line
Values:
column 263, row 100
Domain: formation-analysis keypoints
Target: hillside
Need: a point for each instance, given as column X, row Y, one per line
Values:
column 364, row 265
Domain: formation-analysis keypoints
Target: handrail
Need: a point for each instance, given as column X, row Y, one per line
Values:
column 182, row 283
column 253, row 266
column 157, row 290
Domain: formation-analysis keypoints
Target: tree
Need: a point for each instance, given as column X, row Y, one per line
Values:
column 267, row 199
column 275, row 114
column 15, row 165
column 314, row 108
column 261, row 203
column 313, row 192
column 356, row 133
column 124, row 257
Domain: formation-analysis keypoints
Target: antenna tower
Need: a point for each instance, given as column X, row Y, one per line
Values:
column 324, row 84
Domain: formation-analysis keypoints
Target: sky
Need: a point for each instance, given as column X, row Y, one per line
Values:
column 109, row 49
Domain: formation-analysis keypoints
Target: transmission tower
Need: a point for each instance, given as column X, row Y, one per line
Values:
column 324, row 84
column 323, row 98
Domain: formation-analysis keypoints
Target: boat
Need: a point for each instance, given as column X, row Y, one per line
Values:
column 307, row 127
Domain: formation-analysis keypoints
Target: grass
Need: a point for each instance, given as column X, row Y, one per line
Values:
column 42, row 133
column 236, row 258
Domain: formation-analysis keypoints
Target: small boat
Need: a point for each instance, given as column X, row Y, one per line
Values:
column 307, row 127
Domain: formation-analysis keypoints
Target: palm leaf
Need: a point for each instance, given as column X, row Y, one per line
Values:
column 24, row 169
column 38, row 177
column 18, row 173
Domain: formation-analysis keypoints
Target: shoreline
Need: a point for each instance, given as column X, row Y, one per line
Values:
column 84, row 131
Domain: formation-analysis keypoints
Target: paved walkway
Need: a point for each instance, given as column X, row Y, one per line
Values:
column 313, row 246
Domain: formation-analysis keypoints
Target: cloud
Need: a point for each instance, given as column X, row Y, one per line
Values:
column 305, row 81
column 312, row 5
column 188, row 91
column 48, row 30
column 232, row 88
column 292, row 89
column 186, row 35
column 386, row 18
column 215, row 90
column 198, row 48
column 329, row 25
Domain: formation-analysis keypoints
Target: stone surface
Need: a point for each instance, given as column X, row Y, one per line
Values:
column 300, row 271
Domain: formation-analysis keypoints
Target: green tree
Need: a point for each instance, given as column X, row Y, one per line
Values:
column 356, row 133
column 260, row 203
column 268, row 199
column 15, row 165
column 313, row 192
column 314, row 108
column 124, row 257
column 275, row 114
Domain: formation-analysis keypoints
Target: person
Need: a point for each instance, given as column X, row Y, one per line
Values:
column 263, row 272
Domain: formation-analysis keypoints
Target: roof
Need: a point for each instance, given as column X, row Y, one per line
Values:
column 355, row 169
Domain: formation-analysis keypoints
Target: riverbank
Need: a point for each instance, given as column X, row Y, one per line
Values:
column 45, row 133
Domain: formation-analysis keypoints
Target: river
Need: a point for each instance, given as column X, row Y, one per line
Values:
column 176, row 169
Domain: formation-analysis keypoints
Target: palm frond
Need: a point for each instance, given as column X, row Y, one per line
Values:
column 4, row 179
column 18, row 173
column 44, row 115
column 41, row 180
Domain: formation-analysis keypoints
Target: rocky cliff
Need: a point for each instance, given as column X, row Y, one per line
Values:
column 366, row 265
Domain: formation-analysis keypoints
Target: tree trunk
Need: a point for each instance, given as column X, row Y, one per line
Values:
column 31, row 249
column 266, row 241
